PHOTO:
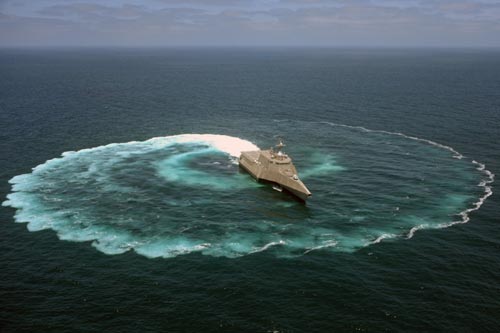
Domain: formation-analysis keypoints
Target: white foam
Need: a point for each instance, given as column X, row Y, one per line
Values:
column 167, row 248
column 455, row 153
column 233, row 146
column 490, row 178
column 114, row 241
column 487, row 192
column 464, row 215
column 381, row 238
column 415, row 229
column 228, row 144
column 326, row 244
column 268, row 245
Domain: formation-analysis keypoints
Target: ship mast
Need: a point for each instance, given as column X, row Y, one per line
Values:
column 279, row 147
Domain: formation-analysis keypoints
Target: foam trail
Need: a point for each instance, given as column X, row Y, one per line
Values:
column 464, row 215
column 455, row 153
column 485, row 184
column 228, row 144
column 487, row 192
column 268, row 245
column 175, row 195
column 91, row 172
column 413, row 230
column 381, row 238
column 327, row 244
column 480, row 167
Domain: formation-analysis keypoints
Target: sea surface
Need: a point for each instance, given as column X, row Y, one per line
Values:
column 124, row 208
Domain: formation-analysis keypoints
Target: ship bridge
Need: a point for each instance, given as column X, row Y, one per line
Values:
column 277, row 158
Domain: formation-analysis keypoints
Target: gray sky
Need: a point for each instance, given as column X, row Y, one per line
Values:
column 250, row 22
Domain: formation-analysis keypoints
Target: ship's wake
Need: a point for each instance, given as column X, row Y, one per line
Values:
column 181, row 194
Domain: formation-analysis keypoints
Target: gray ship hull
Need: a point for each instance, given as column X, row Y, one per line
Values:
column 265, row 165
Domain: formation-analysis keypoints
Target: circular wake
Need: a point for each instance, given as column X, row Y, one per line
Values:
column 180, row 194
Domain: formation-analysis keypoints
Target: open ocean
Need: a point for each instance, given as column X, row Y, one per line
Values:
column 124, row 209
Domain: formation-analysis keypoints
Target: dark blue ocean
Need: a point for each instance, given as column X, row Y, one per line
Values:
column 124, row 209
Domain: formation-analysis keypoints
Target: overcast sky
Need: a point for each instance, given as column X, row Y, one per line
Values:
column 250, row 22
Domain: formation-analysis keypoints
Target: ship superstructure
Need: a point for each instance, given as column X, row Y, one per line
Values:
column 274, row 166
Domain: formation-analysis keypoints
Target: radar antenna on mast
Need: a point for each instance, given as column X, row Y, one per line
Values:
column 279, row 148
column 280, row 145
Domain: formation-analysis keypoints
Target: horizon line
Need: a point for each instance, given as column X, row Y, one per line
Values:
column 260, row 46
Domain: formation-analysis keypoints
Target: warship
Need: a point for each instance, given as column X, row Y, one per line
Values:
column 275, row 167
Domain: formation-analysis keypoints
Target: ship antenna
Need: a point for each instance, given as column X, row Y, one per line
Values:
column 280, row 144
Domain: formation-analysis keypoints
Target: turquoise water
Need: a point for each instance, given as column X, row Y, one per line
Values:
column 122, row 166
column 181, row 194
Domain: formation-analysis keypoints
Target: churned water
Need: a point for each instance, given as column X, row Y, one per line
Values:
column 102, row 150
